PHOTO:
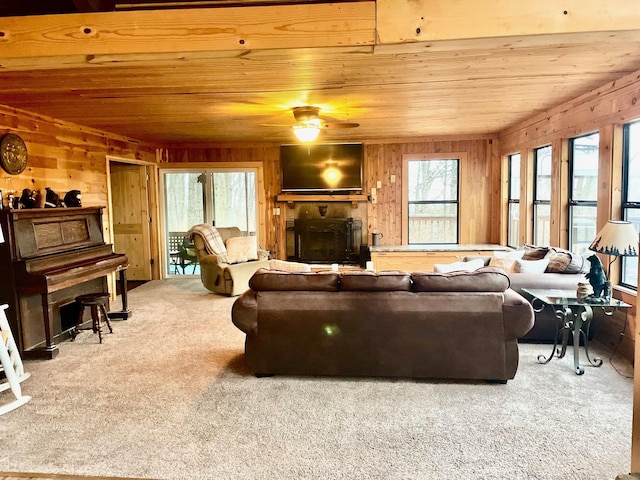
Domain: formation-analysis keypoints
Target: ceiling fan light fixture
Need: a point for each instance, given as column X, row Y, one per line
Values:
column 306, row 133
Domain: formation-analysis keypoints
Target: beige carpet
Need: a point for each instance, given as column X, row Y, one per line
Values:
column 167, row 396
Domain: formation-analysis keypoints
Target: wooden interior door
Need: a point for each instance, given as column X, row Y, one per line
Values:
column 130, row 210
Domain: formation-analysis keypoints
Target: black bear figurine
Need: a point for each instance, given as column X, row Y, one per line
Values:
column 596, row 277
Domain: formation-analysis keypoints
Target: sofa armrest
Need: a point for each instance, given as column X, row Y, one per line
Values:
column 244, row 313
column 517, row 314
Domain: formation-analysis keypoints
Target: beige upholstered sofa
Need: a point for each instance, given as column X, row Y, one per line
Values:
column 460, row 325
column 227, row 258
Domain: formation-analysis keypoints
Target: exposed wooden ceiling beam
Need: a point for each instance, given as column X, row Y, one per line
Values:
column 350, row 24
column 401, row 21
column 240, row 29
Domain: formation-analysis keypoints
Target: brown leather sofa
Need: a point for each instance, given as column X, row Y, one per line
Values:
column 459, row 325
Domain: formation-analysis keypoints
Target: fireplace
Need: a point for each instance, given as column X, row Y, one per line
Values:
column 325, row 240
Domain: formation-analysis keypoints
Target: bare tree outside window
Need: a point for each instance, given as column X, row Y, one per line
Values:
column 433, row 201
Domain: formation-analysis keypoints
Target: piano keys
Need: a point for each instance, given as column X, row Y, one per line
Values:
column 49, row 257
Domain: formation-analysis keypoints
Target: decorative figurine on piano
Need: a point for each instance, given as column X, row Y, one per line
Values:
column 73, row 198
column 28, row 199
column 52, row 199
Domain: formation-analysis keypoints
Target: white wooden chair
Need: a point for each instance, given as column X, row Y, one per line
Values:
column 11, row 364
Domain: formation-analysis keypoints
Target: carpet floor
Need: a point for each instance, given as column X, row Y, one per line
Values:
column 168, row 396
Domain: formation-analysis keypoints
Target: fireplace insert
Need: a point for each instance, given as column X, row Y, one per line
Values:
column 325, row 240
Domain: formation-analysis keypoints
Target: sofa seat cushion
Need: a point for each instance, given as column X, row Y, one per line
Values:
column 276, row 280
column 384, row 281
column 485, row 279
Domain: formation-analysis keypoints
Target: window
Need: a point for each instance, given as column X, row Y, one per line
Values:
column 432, row 198
column 631, row 196
column 583, row 191
column 513, row 224
column 542, row 196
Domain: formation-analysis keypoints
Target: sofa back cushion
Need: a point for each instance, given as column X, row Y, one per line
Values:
column 385, row 281
column 276, row 280
column 241, row 249
column 485, row 279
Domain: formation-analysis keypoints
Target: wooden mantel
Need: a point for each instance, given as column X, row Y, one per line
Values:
column 290, row 198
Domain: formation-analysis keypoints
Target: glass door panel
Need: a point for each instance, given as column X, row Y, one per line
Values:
column 184, row 206
column 234, row 200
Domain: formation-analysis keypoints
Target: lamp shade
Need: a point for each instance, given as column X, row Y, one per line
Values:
column 618, row 238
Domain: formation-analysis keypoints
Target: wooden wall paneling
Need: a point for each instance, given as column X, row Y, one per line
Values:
column 374, row 159
column 496, row 210
column 527, row 174
column 396, row 166
column 635, row 429
column 558, row 212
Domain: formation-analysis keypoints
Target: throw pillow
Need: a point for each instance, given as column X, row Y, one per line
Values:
column 530, row 266
column 531, row 252
column 241, row 249
column 564, row 261
column 470, row 266
column 505, row 264
column 505, row 260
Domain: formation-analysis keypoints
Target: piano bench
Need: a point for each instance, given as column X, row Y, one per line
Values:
column 98, row 304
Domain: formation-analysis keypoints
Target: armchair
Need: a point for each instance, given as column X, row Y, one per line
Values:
column 227, row 259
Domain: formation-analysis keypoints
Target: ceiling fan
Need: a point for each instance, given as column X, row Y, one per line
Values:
column 309, row 123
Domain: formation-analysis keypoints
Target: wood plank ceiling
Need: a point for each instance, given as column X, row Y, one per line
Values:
column 394, row 89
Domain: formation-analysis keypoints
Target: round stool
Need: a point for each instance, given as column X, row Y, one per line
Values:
column 98, row 304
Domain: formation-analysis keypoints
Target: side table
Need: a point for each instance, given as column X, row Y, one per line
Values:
column 574, row 317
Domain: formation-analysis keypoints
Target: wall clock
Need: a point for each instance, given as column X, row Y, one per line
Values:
column 13, row 154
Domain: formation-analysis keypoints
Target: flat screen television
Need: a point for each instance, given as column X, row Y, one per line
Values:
column 323, row 168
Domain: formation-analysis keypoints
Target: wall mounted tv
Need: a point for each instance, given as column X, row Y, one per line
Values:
column 323, row 168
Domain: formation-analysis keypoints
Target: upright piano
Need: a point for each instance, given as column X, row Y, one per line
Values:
column 48, row 258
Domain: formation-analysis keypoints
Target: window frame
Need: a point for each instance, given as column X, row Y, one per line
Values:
column 626, row 205
column 459, row 159
column 537, row 201
column 571, row 202
column 513, row 202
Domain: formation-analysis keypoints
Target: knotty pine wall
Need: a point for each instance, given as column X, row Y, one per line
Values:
column 480, row 177
column 66, row 156
column 606, row 110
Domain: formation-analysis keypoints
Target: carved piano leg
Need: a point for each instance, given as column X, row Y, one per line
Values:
column 125, row 313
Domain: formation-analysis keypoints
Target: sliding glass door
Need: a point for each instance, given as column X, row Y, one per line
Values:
column 219, row 197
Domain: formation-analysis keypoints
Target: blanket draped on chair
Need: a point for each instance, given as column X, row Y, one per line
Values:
column 213, row 242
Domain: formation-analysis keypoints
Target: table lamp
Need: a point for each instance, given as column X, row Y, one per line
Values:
column 618, row 238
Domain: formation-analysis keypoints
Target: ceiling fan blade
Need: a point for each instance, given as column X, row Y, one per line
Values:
column 342, row 125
